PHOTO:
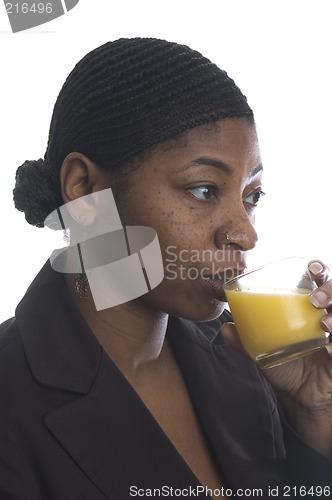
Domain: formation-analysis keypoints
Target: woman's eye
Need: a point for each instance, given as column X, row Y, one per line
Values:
column 254, row 198
column 203, row 192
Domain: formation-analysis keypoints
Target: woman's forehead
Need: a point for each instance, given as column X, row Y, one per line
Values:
column 231, row 136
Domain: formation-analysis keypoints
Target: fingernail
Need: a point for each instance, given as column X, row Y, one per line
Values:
column 318, row 299
column 328, row 347
column 327, row 322
column 315, row 268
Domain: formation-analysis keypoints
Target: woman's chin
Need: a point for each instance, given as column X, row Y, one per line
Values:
column 207, row 312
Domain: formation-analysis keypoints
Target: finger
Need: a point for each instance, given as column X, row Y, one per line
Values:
column 231, row 336
column 322, row 297
column 326, row 323
column 319, row 271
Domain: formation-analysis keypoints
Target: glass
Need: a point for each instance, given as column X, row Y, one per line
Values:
column 272, row 313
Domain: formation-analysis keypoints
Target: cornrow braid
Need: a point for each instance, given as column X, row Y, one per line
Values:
column 120, row 100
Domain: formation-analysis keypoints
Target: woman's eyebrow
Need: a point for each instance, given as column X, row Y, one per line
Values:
column 215, row 162
column 207, row 160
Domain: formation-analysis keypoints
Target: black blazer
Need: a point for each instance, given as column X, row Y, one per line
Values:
column 72, row 428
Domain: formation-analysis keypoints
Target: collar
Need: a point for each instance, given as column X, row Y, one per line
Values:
column 61, row 349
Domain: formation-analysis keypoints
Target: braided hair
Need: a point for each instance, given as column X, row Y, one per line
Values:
column 120, row 100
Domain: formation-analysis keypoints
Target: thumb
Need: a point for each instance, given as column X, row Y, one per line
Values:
column 231, row 336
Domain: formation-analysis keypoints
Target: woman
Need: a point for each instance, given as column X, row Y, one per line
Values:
column 146, row 398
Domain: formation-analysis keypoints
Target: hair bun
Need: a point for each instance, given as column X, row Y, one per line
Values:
column 34, row 192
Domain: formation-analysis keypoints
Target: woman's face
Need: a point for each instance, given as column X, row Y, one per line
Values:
column 200, row 197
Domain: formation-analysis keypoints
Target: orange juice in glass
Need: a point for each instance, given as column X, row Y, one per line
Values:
column 272, row 313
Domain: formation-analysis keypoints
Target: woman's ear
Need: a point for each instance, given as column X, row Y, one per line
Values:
column 80, row 176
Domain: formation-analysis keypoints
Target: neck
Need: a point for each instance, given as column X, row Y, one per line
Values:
column 132, row 334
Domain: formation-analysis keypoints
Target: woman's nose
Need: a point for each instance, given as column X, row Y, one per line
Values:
column 238, row 230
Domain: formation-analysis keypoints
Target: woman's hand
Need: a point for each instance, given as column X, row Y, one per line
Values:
column 305, row 385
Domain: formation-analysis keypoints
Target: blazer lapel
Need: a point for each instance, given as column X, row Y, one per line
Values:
column 115, row 440
column 232, row 404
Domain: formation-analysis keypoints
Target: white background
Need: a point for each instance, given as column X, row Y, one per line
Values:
column 278, row 52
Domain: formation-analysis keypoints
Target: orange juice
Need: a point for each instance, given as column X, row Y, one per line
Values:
column 270, row 320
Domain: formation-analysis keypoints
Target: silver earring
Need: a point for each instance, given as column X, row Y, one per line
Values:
column 81, row 281
column 82, row 285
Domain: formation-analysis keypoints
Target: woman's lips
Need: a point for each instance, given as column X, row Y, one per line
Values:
column 216, row 285
column 216, row 282
column 224, row 275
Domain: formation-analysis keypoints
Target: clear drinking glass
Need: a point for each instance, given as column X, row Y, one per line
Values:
column 272, row 313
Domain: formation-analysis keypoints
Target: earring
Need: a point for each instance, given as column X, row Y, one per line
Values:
column 81, row 281
column 82, row 285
